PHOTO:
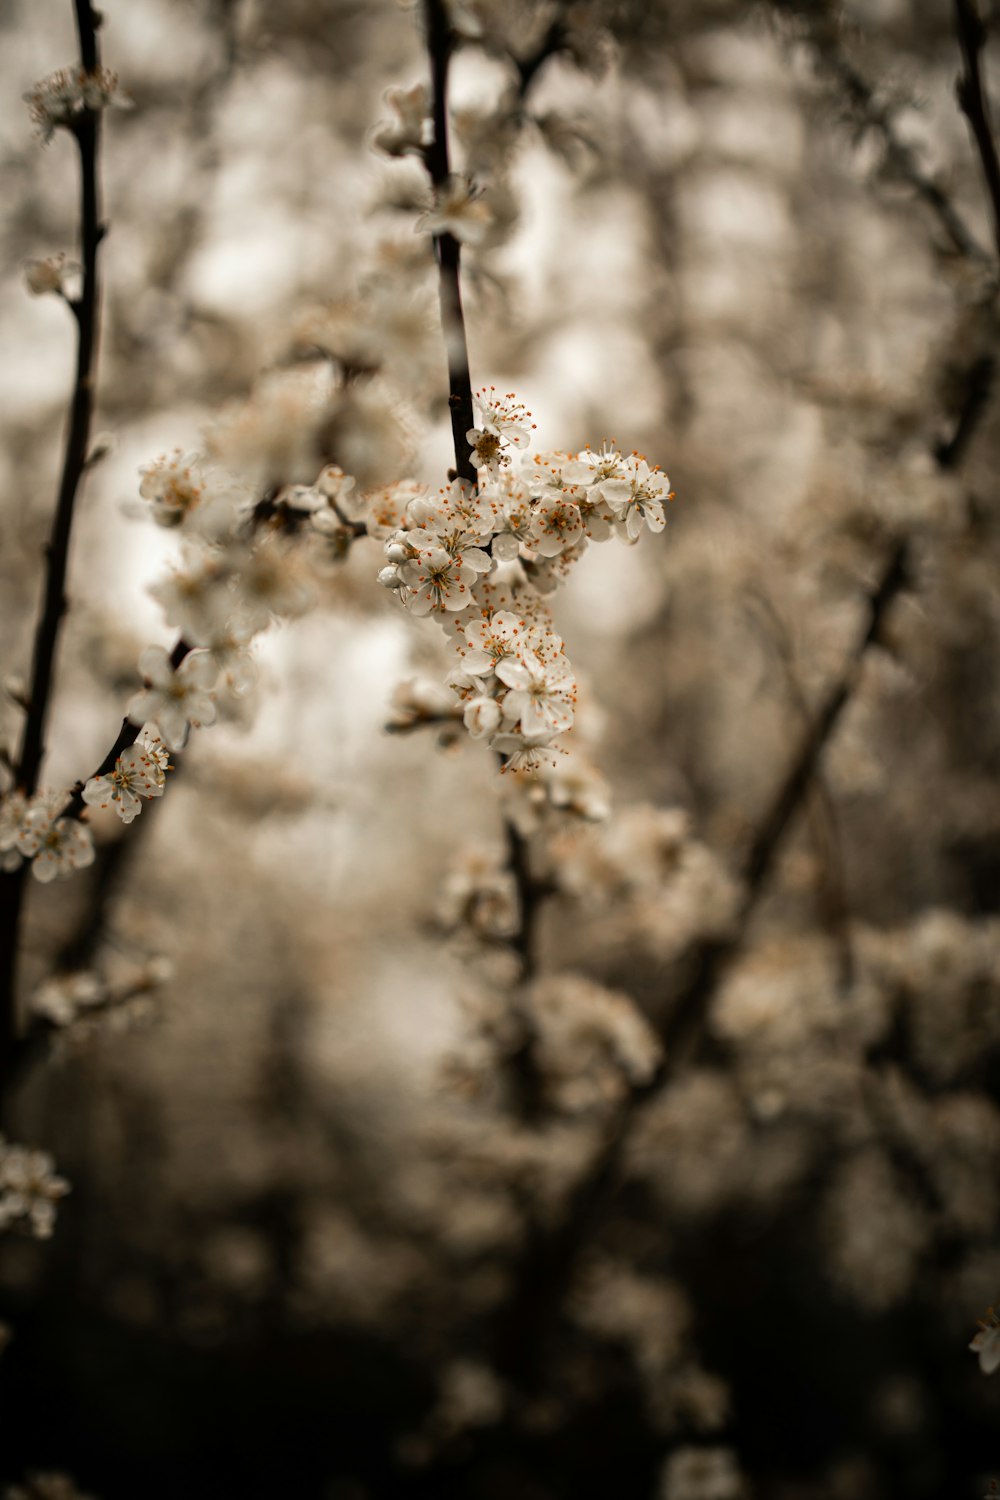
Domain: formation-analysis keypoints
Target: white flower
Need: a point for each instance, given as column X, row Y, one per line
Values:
column 436, row 582
column 174, row 699
column 61, row 999
column 987, row 1343
column 44, row 277
column 12, row 811
column 542, row 694
column 638, row 499
column 503, row 420
column 137, row 774
column 197, row 599
column 489, row 640
column 558, row 524
column 514, row 516
column 57, row 846
column 459, row 211
column 63, row 96
column 29, row 1189
column 272, row 583
column 481, row 717
column 413, row 128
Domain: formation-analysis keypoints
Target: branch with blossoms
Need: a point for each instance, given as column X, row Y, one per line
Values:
column 73, row 100
column 481, row 555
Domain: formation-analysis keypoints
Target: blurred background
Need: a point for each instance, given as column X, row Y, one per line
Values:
column 734, row 1238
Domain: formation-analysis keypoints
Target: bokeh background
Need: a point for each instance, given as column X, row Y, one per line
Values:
column 313, row 1244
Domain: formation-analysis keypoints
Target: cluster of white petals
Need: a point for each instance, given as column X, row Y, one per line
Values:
column 34, row 828
column 460, row 210
column 140, row 771
column 480, row 557
column 29, row 1189
column 62, row 97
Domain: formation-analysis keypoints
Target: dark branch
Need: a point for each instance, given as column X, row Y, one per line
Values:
column 550, row 1256
column 446, row 246
column 974, row 105
column 86, row 131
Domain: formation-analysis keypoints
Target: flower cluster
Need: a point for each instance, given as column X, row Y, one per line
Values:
column 29, row 1189
column 62, row 97
column 480, row 558
column 34, row 828
column 140, row 771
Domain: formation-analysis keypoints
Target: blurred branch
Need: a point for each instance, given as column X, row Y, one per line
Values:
column 977, row 386
column 974, row 105
column 544, row 1274
column 823, row 36
column 86, row 130
column 831, row 895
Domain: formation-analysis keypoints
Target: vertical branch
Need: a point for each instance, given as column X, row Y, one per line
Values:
column 86, row 130
column 973, row 103
column 85, row 311
column 446, row 247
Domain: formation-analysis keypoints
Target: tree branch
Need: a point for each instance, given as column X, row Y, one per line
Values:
column 974, row 105
column 87, row 131
column 446, row 247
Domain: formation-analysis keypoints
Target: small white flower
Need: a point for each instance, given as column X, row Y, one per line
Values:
column 137, row 774
column 638, row 499
column 57, row 846
column 174, row 699
column 558, row 525
column 437, row 583
column 48, row 276
column 197, row 599
column 542, row 694
column 272, row 583
column 63, row 96
column 987, row 1343
column 413, row 128
column 459, row 211
column 29, row 1189
column 63, row 997
column 488, row 641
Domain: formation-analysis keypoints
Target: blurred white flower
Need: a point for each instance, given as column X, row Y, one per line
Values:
column 174, row 699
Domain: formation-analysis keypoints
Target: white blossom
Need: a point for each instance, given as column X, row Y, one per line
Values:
column 60, row 999
column 63, row 96
column 413, row 128
column 458, row 210
column 137, row 774
column 436, row 582
column 173, row 699
column 542, row 695
column 56, row 845
column 987, row 1343
column 29, row 1189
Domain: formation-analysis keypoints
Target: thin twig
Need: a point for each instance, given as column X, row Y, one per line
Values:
column 87, row 131
column 438, row 162
column 828, row 49
column 975, row 106
column 446, row 246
